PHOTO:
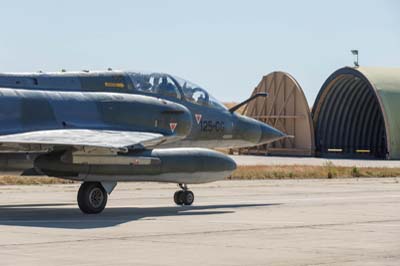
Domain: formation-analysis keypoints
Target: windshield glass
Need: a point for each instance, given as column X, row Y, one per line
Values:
column 156, row 83
column 197, row 95
column 171, row 86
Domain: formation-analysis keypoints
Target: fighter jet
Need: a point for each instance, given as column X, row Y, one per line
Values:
column 101, row 128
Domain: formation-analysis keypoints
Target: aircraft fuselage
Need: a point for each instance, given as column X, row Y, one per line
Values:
column 110, row 100
column 105, row 127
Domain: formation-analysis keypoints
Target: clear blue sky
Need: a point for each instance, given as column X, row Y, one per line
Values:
column 226, row 46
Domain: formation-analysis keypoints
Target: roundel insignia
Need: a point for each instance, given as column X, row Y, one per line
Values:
column 198, row 118
column 172, row 126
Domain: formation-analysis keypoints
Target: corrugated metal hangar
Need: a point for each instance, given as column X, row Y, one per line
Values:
column 356, row 114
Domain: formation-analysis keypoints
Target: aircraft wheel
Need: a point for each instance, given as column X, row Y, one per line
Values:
column 92, row 197
column 178, row 199
column 187, row 197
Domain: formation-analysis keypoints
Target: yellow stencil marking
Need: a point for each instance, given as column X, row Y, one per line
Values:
column 114, row 84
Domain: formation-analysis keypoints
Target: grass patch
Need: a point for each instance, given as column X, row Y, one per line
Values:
column 30, row 180
column 328, row 170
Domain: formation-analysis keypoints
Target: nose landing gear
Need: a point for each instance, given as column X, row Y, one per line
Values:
column 184, row 196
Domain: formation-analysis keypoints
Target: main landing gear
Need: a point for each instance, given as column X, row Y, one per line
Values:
column 92, row 196
column 183, row 196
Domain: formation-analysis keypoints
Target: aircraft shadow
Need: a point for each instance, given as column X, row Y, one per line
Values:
column 48, row 215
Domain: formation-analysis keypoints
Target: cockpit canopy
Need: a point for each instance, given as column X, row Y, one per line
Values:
column 173, row 87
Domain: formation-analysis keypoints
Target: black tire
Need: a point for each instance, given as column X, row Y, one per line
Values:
column 188, row 197
column 178, row 199
column 92, row 197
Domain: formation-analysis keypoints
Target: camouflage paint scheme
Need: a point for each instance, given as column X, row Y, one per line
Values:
column 105, row 127
column 119, row 126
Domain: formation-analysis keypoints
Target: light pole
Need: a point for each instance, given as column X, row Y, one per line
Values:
column 355, row 53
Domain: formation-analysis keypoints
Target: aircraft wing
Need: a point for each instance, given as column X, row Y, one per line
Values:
column 86, row 140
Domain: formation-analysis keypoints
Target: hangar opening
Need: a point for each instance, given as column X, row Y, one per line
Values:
column 348, row 117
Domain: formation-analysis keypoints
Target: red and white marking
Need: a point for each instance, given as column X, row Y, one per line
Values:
column 172, row 126
column 198, row 118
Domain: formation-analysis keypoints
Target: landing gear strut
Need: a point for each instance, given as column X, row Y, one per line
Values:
column 92, row 197
column 183, row 196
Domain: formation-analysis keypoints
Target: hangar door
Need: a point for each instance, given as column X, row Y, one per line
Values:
column 286, row 109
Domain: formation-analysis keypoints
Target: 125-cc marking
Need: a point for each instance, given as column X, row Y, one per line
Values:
column 210, row 126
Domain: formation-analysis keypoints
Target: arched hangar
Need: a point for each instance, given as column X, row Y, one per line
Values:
column 285, row 108
column 357, row 113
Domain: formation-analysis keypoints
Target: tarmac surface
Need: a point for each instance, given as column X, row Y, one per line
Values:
column 271, row 222
column 285, row 160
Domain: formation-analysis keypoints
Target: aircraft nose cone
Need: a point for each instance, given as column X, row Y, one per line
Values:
column 270, row 134
column 255, row 132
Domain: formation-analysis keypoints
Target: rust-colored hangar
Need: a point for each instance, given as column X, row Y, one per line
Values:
column 356, row 114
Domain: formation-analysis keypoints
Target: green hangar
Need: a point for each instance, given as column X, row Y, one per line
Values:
column 357, row 113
